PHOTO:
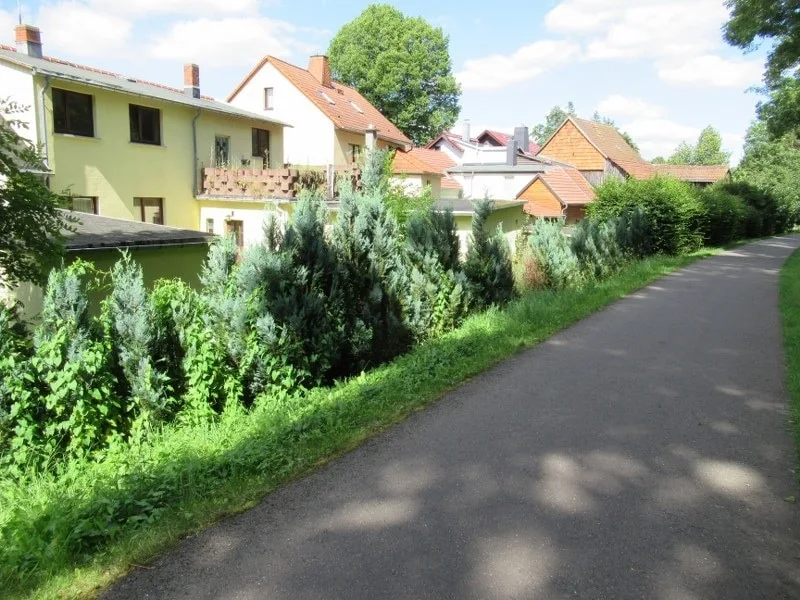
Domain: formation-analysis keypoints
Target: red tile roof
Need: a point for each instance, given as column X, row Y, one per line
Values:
column 67, row 63
column 566, row 184
column 413, row 163
column 693, row 173
column 453, row 138
column 344, row 112
column 504, row 138
column 438, row 161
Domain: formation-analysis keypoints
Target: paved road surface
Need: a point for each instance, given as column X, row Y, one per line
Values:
column 643, row 453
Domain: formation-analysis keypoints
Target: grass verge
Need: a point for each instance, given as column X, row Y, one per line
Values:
column 73, row 535
column 790, row 316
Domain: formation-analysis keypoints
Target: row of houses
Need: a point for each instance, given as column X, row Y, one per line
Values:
column 128, row 150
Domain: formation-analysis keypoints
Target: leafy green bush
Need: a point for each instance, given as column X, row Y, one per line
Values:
column 775, row 214
column 672, row 209
column 488, row 265
column 725, row 216
column 553, row 253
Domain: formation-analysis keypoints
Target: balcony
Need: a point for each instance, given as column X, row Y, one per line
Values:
column 269, row 184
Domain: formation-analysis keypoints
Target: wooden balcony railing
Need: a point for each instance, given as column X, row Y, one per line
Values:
column 273, row 183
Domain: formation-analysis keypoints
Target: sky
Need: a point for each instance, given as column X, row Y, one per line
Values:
column 659, row 68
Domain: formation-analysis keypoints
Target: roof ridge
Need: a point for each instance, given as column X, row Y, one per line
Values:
column 68, row 63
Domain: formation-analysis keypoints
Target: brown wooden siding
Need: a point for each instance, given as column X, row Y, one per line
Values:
column 570, row 146
column 540, row 200
column 575, row 214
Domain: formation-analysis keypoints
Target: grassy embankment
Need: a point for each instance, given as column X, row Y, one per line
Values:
column 790, row 315
column 143, row 500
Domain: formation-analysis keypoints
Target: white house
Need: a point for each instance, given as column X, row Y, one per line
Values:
column 330, row 121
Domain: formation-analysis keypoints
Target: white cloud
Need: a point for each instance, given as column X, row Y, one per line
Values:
column 498, row 70
column 7, row 23
column 659, row 136
column 197, row 8
column 633, row 29
column 617, row 106
column 74, row 28
column 229, row 41
column 712, row 70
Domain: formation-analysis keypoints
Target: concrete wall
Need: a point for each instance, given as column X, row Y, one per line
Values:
column 17, row 86
column 497, row 186
column 252, row 214
column 511, row 219
column 311, row 139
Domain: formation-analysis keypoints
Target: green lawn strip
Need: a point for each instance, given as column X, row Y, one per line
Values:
column 140, row 502
column 790, row 315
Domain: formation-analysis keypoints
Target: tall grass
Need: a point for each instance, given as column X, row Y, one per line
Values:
column 139, row 502
column 790, row 315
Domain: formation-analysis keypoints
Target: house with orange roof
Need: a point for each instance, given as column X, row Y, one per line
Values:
column 332, row 124
column 131, row 149
column 559, row 192
column 598, row 151
column 419, row 167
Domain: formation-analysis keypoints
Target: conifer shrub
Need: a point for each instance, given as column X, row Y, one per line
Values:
column 634, row 233
column 434, row 231
column 551, row 248
column 596, row 247
column 488, row 264
column 672, row 208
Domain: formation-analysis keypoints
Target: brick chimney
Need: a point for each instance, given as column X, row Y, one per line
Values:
column 29, row 40
column 191, row 80
column 320, row 68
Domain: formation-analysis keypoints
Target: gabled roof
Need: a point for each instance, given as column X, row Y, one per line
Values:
column 453, row 138
column 607, row 140
column 413, row 163
column 694, row 173
column 61, row 69
column 566, row 184
column 438, row 162
column 343, row 105
column 503, row 139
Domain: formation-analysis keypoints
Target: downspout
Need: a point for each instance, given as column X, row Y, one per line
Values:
column 194, row 150
column 41, row 123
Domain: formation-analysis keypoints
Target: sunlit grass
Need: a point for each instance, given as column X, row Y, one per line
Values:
column 790, row 314
column 141, row 501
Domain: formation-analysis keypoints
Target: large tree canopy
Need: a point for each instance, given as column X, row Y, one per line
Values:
column 777, row 21
column 402, row 65
column 30, row 224
column 707, row 151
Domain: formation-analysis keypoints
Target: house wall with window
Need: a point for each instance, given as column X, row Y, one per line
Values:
column 137, row 162
column 248, row 218
column 496, row 186
column 344, row 143
column 290, row 105
column 413, row 184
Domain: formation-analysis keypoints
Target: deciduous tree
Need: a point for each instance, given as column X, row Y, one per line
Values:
column 401, row 65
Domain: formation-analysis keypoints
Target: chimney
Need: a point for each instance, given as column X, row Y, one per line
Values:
column 522, row 138
column 320, row 68
column 465, row 133
column 511, row 152
column 29, row 40
column 371, row 135
column 191, row 80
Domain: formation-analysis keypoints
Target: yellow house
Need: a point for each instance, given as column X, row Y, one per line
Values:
column 131, row 149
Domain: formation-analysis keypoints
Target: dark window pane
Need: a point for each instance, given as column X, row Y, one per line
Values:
column 72, row 113
column 151, row 210
column 84, row 204
column 145, row 125
column 261, row 144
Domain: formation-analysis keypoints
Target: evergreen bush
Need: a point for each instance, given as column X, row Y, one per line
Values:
column 488, row 265
column 554, row 256
column 596, row 247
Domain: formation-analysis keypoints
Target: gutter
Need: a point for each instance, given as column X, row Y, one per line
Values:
column 194, row 151
column 178, row 244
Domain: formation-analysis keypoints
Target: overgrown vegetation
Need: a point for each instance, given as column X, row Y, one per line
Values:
column 790, row 315
column 118, row 422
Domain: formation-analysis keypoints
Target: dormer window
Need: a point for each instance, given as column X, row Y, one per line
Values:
column 327, row 98
column 356, row 107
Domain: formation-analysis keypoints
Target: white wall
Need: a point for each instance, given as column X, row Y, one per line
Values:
column 483, row 155
column 411, row 184
column 310, row 140
column 16, row 84
column 252, row 215
column 498, row 186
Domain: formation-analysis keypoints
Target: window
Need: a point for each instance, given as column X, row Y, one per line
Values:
column 145, row 125
column 261, row 145
column 327, row 98
column 355, row 152
column 235, row 228
column 151, row 210
column 268, row 92
column 209, row 225
column 356, row 107
column 73, row 113
column 222, row 151
column 84, row 204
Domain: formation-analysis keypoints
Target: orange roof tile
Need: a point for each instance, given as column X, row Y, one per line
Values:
column 450, row 184
column 344, row 112
column 567, row 184
column 413, row 164
column 693, row 173
column 434, row 158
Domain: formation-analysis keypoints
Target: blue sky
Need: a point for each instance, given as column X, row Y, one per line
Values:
column 658, row 67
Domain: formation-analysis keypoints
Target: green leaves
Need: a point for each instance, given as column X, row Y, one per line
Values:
column 402, row 66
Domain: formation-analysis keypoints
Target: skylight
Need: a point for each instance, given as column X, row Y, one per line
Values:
column 327, row 98
column 356, row 107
